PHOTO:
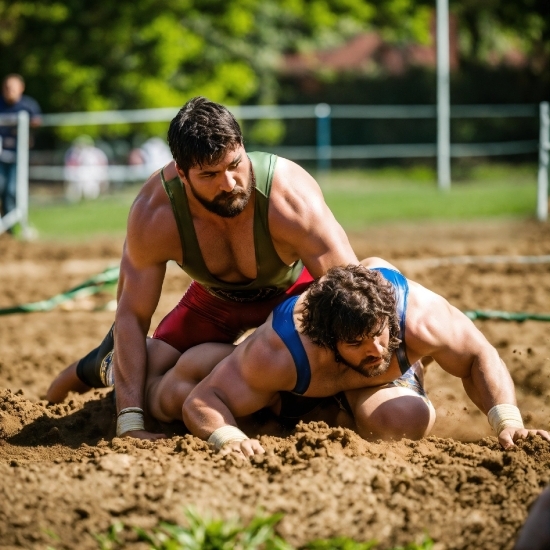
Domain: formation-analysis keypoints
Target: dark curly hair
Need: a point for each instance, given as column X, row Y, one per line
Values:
column 202, row 133
column 349, row 303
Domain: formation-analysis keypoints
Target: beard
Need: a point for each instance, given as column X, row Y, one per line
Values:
column 228, row 205
column 363, row 367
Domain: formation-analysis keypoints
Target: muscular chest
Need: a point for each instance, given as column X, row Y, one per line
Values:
column 228, row 249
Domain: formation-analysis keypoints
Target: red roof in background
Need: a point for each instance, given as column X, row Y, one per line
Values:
column 368, row 50
column 357, row 53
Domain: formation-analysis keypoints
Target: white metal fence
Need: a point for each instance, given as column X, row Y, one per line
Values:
column 323, row 152
column 544, row 150
column 21, row 211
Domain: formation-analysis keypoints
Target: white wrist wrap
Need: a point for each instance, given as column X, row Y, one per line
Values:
column 504, row 416
column 224, row 435
column 129, row 420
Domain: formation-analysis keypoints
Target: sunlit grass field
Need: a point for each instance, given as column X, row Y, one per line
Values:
column 361, row 199
column 358, row 198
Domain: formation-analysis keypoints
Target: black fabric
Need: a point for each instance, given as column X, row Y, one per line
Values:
column 295, row 406
column 88, row 367
column 343, row 403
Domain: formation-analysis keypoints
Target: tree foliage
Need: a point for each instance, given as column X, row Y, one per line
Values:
column 493, row 27
column 82, row 56
column 78, row 55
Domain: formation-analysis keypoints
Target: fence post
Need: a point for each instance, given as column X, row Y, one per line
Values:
column 20, row 213
column 443, row 97
column 22, row 175
column 322, row 113
column 544, row 148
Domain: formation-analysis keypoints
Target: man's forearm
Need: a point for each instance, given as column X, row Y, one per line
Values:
column 130, row 363
column 203, row 415
column 211, row 420
column 491, row 383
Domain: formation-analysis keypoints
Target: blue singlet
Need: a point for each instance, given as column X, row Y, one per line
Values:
column 283, row 325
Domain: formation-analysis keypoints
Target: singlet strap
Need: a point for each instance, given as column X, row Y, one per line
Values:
column 283, row 325
column 176, row 195
column 271, row 269
column 401, row 287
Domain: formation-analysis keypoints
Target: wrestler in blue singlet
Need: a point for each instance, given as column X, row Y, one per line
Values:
column 283, row 325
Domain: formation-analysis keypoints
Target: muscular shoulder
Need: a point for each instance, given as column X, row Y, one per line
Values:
column 152, row 235
column 265, row 362
column 301, row 224
column 296, row 199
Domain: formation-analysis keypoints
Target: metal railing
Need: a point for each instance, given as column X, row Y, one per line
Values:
column 544, row 150
column 20, row 214
column 323, row 152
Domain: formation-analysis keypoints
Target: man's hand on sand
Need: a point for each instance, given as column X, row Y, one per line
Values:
column 508, row 436
column 246, row 448
column 143, row 434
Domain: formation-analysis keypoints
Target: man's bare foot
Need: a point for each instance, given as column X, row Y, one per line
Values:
column 65, row 382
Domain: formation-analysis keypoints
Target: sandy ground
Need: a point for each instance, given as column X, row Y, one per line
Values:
column 64, row 476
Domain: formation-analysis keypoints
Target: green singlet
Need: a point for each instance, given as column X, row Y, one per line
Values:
column 273, row 275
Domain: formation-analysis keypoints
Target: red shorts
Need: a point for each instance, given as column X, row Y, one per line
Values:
column 201, row 317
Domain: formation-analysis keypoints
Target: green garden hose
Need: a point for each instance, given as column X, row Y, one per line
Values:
column 109, row 277
column 93, row 285
column 506, row 315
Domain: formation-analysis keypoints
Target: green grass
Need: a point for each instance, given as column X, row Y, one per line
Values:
column 207, row 533
column 357, row 198
column 356, row 209
column 104, row 216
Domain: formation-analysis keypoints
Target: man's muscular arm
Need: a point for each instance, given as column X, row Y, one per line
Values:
column 138, row 295
column 142, row 272
column 302, row 225
column 436, row 328
column 243, row 383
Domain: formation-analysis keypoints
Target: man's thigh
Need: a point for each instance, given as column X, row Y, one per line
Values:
column 168, row 385
column 160, row 357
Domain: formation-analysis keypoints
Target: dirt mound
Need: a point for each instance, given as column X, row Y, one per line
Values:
column 65, row 476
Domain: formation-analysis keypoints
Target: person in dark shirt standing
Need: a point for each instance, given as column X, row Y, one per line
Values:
column 13, row 101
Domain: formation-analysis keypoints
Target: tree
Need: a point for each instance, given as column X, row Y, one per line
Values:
column 494, row 26
column 77, row 55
